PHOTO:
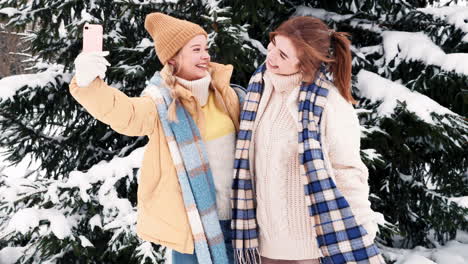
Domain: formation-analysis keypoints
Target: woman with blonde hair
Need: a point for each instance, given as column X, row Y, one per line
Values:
column 300, row 191
column 190, row 114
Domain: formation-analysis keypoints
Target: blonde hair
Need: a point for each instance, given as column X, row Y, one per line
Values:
column 171, row 81
column 230, row 107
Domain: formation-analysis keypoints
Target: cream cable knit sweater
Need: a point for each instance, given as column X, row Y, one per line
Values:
column 285, row 228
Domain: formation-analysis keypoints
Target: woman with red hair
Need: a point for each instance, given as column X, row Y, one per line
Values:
column 300, row 190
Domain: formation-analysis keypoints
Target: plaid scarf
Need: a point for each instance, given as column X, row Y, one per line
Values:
column 193, row 171
column 340, row 238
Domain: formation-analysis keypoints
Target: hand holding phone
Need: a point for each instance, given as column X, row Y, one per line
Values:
column 91, row 63
column 92, row 38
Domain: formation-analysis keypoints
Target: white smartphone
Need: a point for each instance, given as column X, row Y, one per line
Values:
column 92, row 38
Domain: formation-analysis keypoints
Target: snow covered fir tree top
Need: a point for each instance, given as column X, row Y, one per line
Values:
column 68, row 182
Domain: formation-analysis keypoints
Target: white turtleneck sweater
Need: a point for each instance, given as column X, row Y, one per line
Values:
column 286, row 230
column 219, row 139
column 200, row 88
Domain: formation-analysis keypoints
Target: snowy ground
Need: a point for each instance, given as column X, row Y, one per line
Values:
column 453, row 252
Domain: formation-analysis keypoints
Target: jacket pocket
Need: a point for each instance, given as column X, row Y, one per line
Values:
column 163, row 220
column 168, row 205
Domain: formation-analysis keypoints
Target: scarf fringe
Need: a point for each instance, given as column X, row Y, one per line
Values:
column 357, row 247
column 247, row 256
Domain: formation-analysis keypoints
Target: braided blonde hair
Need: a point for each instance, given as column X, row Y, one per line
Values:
column 230, row 107
column 171, row 81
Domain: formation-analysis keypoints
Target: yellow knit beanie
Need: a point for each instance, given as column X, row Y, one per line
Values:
column 170, row 34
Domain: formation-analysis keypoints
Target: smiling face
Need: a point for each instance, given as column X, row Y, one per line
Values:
column 193, row 59
column 282, row 56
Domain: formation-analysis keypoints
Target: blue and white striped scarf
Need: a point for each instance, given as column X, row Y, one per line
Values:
column 339, row 237
column 190, row 159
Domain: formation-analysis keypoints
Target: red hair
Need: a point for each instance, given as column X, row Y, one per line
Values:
column 313, row 39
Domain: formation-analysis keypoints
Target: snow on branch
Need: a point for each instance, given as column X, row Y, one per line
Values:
column 417, row 46
column 377, row 88
column 320, row 14
column 9, row 85
column 118, row 213
column 145, row 2
column 460, row 201
column 454, row 15
column 109, row 173
column 26, row 219
column 255, row 43
column 332, row 16
column 9, row 11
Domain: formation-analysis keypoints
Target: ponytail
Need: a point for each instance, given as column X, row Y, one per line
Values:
column 314, row 40
column 341, row 65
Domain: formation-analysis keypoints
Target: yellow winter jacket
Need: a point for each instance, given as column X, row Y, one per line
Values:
column 162, row 218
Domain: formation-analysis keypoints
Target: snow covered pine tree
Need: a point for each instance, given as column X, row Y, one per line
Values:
column 410, row 71
column 78, row 205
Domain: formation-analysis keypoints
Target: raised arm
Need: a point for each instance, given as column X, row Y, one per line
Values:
column 129, row 116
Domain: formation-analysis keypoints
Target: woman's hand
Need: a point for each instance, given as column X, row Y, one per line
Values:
column 89, row 66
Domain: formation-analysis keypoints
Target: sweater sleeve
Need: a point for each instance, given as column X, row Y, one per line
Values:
column 129, row 116
column 342, row 133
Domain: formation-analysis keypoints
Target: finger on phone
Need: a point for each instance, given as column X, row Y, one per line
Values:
column 104, row 61
column 101, row 68
column 101, row 60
